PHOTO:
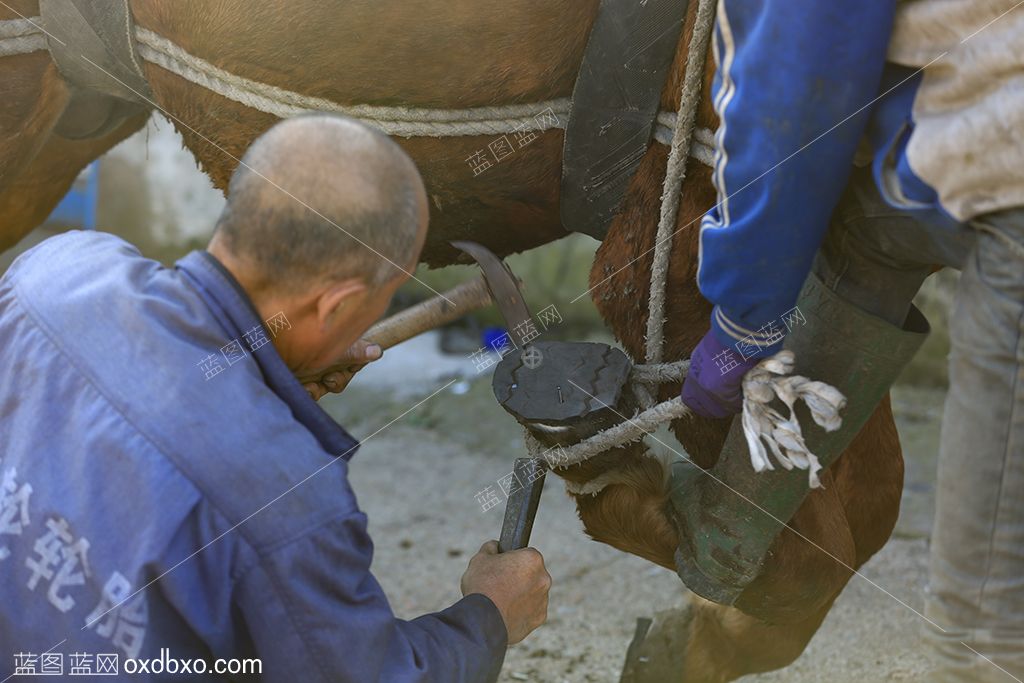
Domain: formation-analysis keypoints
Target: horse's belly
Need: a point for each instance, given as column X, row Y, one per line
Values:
column 508, row 205
column 451, row 54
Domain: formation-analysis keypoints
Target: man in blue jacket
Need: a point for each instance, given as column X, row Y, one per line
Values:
column 169, row 488
column 861, row 144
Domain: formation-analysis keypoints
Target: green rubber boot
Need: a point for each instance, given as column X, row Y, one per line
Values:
column 724, row 538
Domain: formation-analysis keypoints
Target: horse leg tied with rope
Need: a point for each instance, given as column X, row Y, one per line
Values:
column 630, row 512
column 841, row 526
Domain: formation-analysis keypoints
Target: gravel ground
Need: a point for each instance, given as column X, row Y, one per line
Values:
column 417, row 480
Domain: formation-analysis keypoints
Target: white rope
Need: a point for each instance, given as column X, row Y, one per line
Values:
column 21, row 36
column 627, row 431
column 675, row 172
column 129, row 25
column 702, row 146
column 660, row 373
column 684, row 143
column 13, row 28
column 399, row 121
column 594, row 486
column 762, row 423
column 761, row 385
column 10, row 47
column 667, row 122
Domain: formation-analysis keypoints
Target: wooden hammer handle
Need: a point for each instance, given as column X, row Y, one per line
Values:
column 430, row 314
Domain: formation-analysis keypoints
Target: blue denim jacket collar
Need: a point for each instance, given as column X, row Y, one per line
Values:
column 234, row 310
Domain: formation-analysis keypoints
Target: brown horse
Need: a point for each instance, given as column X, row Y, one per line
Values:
column 468, row 53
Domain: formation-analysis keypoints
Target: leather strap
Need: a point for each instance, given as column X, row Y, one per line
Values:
column 91, row 42
column 614, row 104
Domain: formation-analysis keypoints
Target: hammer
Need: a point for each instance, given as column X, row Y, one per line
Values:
column 528, row 473
column 429, row 314
column 496, row 284
column 423, row 317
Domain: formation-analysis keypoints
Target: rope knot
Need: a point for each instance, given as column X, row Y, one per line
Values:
column 763, row 425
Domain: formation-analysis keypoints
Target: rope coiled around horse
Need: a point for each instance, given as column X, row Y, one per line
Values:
column 763, row 427
column 768, row 380
column 23, row 36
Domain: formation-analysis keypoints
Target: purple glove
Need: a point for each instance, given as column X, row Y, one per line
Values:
column 713, row 386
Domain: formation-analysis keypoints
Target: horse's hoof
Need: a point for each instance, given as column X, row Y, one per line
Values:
column 658, row 649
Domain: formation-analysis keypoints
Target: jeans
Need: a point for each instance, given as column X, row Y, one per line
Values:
column 876, row 257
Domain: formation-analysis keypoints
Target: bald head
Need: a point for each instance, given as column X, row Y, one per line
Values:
column 323, row 196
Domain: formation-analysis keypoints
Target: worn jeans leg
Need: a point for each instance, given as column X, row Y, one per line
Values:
column 876, row 257
column 976, row 599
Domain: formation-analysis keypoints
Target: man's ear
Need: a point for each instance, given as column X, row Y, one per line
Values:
column 340, row 297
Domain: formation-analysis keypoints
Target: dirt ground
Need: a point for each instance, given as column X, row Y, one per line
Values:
column 424, row 460
column 419, row 471
column 417, row 480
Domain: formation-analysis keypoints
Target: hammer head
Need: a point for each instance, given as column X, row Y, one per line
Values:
column 521, row 506
column 504, row 288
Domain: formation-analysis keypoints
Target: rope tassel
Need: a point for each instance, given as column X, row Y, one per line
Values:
column 763, row 425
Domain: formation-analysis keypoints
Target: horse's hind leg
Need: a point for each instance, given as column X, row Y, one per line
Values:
column 34, row 99
column 835, row 531
column 705, row 642
column 37, row 167
column 28, row 199
column 668, row 653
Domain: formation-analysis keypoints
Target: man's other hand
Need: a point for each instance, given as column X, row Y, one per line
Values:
column 714, row 383
column 516, row 582
column 335, row 378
